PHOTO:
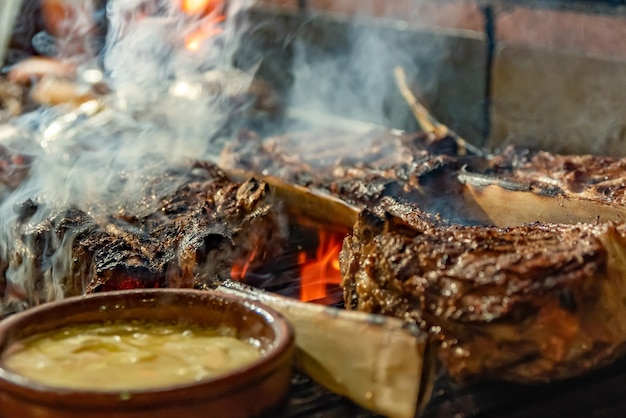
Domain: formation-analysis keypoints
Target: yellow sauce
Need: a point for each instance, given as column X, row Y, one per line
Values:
column 128, row 355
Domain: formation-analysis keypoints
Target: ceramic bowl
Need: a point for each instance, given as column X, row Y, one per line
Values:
column 257, row 389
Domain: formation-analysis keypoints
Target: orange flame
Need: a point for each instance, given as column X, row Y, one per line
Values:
column 208, row 10
column 316, row 273
column 199, row 6
column 322, row 270
column 194, row 40
column 240, row 267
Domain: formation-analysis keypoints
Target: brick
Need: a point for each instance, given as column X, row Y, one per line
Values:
column 589, row 33
column 451, row 14
column 287, row 4
column 446, row 69
column 558, row 101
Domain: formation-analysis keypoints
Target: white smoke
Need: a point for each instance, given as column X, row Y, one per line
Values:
column 169, row 103
column 165, row 107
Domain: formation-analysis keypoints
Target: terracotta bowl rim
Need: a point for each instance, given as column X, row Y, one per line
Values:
column 281, row 348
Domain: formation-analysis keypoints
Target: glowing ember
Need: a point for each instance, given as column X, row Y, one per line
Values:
column 200, row 6
column 321, row 271
column 194, row 41
column 209, row 10
column 240, row 268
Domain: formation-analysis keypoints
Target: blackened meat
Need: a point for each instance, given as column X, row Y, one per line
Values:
column 193, row 236
column 419, row 170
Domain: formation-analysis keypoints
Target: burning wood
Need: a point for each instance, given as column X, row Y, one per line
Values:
column 394, row 372
column 200, row 6
column 331, row 217
column 322, row 269
column 211, row 12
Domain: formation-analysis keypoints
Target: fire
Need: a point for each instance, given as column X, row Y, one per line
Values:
column 194, row 41
column 199, row 6
column 210, row 13
column 240, row 268
column 317, row 273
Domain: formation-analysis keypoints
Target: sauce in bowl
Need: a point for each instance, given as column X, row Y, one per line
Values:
column 129, row 355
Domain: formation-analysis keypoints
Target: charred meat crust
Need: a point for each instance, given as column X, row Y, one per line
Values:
column 417, row 169
column 310, row 157
column 596, row 177
column 524, row 304
column 528, row 303
column 192, row 236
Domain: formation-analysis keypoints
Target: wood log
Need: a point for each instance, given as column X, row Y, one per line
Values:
column 508, row 203
column 378, row 362
column 310, row 207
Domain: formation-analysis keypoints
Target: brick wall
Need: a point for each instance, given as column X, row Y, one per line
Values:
column 444, row 51
column 559, row 81
column 450, row 14
column 558, row 78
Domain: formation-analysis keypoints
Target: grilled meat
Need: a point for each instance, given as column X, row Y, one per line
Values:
column 191, row 236
column 513, row 187
column 526, row 186
column 302, row 157
column 419, row 170
column 530, row 303
column 598, row 177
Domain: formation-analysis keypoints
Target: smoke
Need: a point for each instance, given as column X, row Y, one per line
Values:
column 356, row 82
column 168, row 104
column 153, row 36
column 176, row 95
column 344, row 64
